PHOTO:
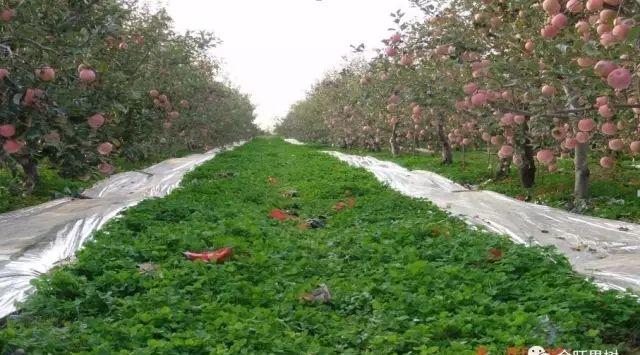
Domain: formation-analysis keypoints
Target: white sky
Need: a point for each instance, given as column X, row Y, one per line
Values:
column 274, row 50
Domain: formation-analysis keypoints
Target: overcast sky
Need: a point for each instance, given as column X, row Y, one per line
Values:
column 274, row 50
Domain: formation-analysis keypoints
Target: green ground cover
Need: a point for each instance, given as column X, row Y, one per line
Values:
column 405, row 277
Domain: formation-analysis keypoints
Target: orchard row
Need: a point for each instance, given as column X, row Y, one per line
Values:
column 528, row 80
column 84, row 84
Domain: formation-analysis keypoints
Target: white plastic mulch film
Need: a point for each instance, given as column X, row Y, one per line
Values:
column 293, row 141
column 607, row 250
column 34, row 240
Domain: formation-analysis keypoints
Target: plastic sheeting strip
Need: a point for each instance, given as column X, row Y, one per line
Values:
column 35, row 239
column 293, row 141
column 607, row 250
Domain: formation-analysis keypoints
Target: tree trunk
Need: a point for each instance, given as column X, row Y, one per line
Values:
column 348, row 143
column 447, row 155
column 9, row 166
column 581, row 162
column 463, row 157
column 31, row 172
column 393, row 142
column 503, row 168
column 376, row 144
column 581, row 187
column 528, row 168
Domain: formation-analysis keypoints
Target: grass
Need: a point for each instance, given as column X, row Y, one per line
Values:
column 405, row 276
column 53, row 186
column 614, row 193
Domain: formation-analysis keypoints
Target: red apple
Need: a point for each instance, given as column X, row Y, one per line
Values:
column 12, row 146
column 545, row 156
column 105, row 148
column 46, row 73
column 96, row 121
column 619, row 79
column 7, row 130
column 87, row 75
